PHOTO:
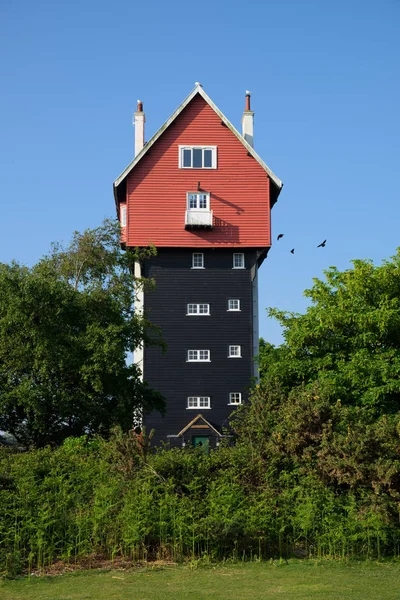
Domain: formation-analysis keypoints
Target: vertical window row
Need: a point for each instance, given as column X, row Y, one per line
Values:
column 234, row 350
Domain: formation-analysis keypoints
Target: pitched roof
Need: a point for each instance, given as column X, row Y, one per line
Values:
column 197, row 90
column 189, row 425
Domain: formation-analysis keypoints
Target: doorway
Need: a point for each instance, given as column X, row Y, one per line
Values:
column 202, row 442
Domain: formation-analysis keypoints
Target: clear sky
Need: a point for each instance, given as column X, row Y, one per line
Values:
column 325, row 89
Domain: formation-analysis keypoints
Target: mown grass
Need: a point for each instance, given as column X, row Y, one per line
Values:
column 246, row 581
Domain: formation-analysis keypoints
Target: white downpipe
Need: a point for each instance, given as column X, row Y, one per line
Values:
column 138, row 355
column 256, row 344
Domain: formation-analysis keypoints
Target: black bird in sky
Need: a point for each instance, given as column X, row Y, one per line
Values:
column 292, row 251
column 322, row 245
column 280, row 236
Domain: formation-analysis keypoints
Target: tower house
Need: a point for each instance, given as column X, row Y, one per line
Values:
column 200, row 193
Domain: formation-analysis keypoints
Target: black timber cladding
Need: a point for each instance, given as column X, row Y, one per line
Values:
column 178, row 284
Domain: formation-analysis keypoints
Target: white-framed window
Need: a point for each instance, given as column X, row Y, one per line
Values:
column 235, row 352
column 198, row 402
column 198, row 201
column 197, row 260
column 198, row 356
column 235, row 398
column 197, row 157
column 198, row 309
column 233, row 304
column 238, row 260
column 123, row 215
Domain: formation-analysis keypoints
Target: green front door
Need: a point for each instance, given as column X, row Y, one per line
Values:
column 201, row 441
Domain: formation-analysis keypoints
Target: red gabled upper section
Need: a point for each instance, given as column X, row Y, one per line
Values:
column 155, row 189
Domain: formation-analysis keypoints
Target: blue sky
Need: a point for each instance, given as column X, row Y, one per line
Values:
column 325, row 89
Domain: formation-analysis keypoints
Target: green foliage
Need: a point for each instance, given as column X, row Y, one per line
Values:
column 315, row 470
column 315, row 483
column 348, row 339
column 66, row 326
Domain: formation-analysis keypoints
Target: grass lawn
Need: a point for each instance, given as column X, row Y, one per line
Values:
column 295, row 581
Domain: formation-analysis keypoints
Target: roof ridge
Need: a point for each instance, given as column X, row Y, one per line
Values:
column 198, row 89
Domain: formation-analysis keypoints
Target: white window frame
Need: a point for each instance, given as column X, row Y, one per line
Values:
column 235, row 398
column 232, row 353
column 242, row 265
column 197, row 207
column 123, row 215
column 198, row 356
column 213, row 156
column 196, row 309
column 196, row 402
column 230, row 309
column 202, row 260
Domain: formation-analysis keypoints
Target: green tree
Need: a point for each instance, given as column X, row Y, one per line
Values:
column 348, row 340
column 67, row 326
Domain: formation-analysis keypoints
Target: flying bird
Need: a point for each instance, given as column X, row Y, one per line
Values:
column 322, row 245
column 280, row 236
column 292, row 251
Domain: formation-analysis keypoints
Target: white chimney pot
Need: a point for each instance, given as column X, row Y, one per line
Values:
column 139, row 120
column 248, row 122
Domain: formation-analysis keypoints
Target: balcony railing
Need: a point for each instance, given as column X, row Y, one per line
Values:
column 199, row 219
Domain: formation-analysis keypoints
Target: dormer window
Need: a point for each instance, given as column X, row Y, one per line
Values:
column 197, row 157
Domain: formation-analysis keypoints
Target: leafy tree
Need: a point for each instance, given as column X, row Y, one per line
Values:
column 66, row 327
column 348, row 339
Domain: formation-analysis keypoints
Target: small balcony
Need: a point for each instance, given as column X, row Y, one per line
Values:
column 199, row 219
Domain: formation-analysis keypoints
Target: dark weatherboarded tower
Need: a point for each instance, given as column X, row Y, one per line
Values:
column 199, row 192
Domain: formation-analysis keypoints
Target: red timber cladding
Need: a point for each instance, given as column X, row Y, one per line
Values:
column 239, row 188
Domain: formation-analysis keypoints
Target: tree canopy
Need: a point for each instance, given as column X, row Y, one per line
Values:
column 67, row 325
column 348, row 339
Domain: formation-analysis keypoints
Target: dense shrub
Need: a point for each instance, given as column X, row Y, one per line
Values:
column 322, row 490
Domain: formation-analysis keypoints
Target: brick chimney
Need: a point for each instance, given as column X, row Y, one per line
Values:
column 248, row 121
column 139, row 121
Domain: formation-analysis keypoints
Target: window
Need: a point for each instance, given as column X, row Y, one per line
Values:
column 198, row 309
column 123, row 216
column 197, row 157
column 198, row 402
column 233, row 304
column 197, row 260
column 198, row 356
column 235, row 398
column 238, row 260
column 198, row 201
column 198, row 213
column 235, row 352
